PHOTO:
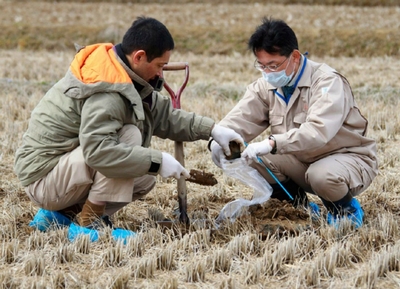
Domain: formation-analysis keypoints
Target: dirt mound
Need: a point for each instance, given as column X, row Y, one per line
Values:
column 270, row 218
column 276, row 217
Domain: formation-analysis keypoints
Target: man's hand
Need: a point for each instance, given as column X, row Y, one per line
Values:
column 223, row 135
column 217, row 154
column 170, row 167
column 257, row 149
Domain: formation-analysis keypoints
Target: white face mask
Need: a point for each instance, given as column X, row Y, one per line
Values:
column 278, row 78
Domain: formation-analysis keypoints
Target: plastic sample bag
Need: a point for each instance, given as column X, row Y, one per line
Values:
column 240, row 170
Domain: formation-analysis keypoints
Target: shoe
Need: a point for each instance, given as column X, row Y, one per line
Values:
column 294, row 194
column 352, row 212
column 93, row 231
column 315, row 211
column 100, row 223
column 45, row 219
column 122, row 235
column 75, row 231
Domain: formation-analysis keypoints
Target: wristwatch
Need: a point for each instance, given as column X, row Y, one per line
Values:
column 274, row 149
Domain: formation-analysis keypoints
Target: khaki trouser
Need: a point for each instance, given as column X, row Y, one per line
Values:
column 71, row 182
column 331, row 178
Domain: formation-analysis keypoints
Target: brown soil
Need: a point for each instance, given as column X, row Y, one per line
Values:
column 202, row 178
column 270, row 218
column 276, row 217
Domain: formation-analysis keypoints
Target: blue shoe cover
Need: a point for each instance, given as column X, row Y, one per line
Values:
column 118, row 234
column 353, row 212
column 314, row 211
column 44, row 219
column 75, row 231
column 122, row 235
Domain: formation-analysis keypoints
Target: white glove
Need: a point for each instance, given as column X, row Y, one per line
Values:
column 256, row 149
column 223, row 135
column 217, row 153
column 170, row 167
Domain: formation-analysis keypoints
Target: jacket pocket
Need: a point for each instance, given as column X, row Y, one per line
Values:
column 276, row 120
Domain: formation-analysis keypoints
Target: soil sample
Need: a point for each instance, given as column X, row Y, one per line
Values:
column 202, row 178
column 235, row 150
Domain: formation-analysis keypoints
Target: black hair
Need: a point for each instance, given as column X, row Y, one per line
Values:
column 274, row 36
column 147, row 34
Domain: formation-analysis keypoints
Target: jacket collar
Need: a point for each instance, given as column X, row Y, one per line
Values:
column 305, row 79
column 146, row 87
column 87, row 76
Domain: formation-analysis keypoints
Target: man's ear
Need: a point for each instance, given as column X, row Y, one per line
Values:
column 297, row 56
column 138, row 56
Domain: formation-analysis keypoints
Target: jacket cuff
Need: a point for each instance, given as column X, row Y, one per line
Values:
column 209, row 144
column 155, row 162
column 154, row 167
column 274, row 149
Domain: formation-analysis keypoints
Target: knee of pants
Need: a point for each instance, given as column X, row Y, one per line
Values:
column 316, row 178
column 144, row 188
column 130, row 134
column 326, row 183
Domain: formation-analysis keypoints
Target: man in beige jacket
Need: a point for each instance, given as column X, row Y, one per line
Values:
column 318, row 141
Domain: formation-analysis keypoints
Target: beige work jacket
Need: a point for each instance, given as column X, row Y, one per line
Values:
column 320, row 119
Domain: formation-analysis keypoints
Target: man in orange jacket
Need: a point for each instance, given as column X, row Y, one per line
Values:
column 87, row 148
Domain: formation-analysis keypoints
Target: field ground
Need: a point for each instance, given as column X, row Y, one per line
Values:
column 249, row 253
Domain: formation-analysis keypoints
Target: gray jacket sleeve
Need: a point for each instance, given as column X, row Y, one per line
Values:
column 177, row 124
column 102, row 117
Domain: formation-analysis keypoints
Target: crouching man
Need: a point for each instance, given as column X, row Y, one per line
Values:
column 87, row 148
column 318, row 142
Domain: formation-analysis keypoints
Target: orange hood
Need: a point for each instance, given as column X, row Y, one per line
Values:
column 98, row 63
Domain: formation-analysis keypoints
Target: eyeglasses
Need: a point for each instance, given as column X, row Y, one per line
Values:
column 273, row 68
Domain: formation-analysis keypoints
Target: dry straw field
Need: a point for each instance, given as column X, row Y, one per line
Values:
column 362, row 42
